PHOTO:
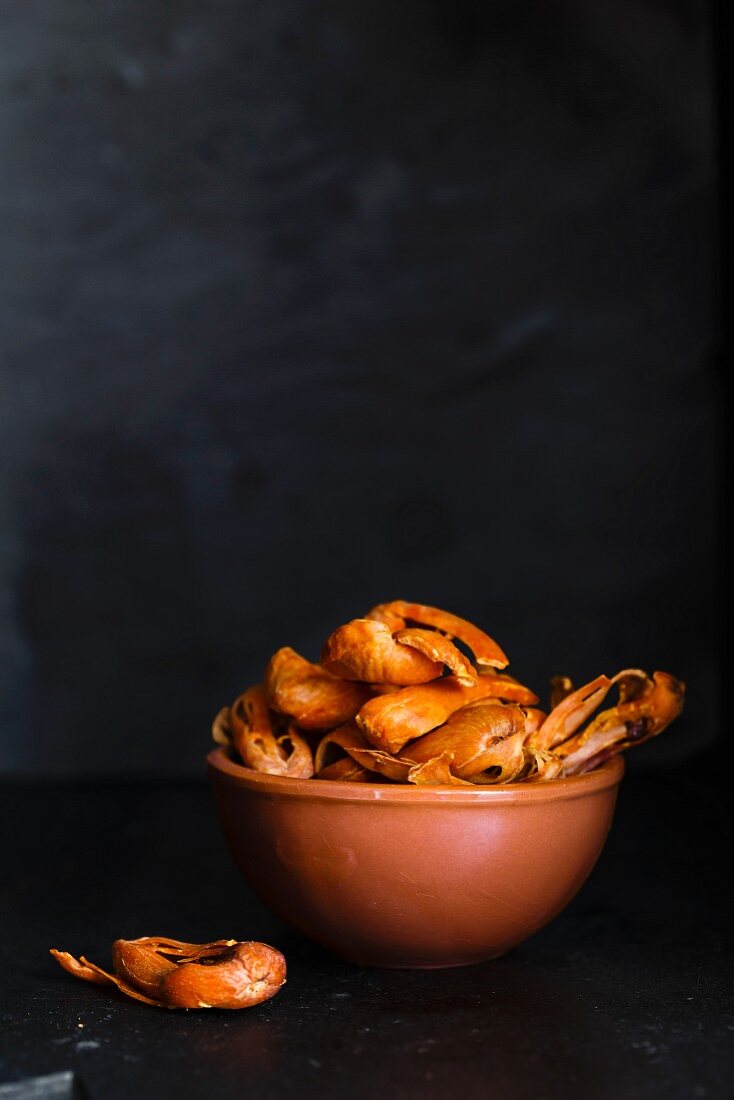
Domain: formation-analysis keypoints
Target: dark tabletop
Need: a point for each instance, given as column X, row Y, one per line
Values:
column 626, row 994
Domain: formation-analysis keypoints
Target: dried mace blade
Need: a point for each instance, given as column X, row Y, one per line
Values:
column 169, row 973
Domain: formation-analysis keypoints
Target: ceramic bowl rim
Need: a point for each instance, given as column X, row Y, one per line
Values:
column 221, row 768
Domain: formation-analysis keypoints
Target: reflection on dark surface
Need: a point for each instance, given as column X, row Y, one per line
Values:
column 425, row 1033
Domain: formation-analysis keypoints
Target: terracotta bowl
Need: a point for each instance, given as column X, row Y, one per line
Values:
column 398, row 876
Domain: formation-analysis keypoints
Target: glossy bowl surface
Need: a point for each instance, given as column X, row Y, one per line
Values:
column 398, row 876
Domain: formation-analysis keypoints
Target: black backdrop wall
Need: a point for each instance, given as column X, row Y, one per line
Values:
column 309, row 305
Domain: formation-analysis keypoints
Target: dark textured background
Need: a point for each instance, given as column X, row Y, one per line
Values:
column 306, row 305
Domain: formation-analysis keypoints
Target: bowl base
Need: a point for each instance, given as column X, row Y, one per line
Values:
column 373, row 965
